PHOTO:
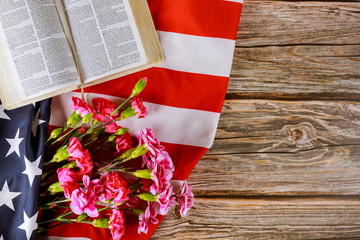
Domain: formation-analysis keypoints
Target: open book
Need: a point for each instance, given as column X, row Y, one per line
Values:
column 48, row 47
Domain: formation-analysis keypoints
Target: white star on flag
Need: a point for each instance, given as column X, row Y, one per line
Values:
column 29, row 224
column 1, row 237
column 6, row 196
column 3, row 116
column 32, row 169
column 36, row 122
column 14, row 144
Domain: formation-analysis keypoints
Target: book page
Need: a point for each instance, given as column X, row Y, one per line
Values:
column 36, row 47
column 105, row 37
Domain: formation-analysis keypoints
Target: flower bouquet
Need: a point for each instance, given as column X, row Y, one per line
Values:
column 96, row 173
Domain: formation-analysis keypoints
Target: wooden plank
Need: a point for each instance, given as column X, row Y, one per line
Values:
column 269, row 126
column 287, row 218
column 296, row 72
column 274, row 23
column 282, row 148
column 275, row 175
column 297, row 50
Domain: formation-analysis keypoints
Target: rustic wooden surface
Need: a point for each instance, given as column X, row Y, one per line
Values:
column 285, row 163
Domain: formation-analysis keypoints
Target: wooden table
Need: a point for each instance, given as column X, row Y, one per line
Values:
column 285, row 163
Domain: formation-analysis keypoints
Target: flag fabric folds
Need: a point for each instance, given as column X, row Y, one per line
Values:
column 184, row 97
column 23, row 133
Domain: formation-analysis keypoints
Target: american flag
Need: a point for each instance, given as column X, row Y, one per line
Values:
column 184, row 97
column 23, row 133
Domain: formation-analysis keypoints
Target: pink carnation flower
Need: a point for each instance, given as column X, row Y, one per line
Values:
column 185, row 199
column 75, row 148
column 82, row 157
column 85, row 163
column 148, row 217
column 138, row 106
column 117, row 224
column 161, row 178
column 123, row 143
column 115, row 187
column 166, row 200
column 68, row 181
column 104, row 107
column 84, row 200
column 146, row 136
column 81, row 107
column 112, row 127
column 163, row 158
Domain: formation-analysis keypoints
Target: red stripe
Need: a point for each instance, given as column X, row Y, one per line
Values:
column 209, row 18
column 79, row 230
column 184, row 157
column 171, row 88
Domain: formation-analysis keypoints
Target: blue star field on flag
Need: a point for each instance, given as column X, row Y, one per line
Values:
column 22, row 138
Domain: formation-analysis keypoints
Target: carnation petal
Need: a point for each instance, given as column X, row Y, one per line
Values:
column 91, row 211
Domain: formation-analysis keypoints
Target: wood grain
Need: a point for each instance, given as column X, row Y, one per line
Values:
column 275, row 175
column 286, row 218
column 286, row 126
column 297, row 50
column 274, row 23
column 282, row 148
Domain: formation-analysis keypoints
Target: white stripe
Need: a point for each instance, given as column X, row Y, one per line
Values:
column 170, row 124
column 238, row 1
column 41, row 237
column 189, row 53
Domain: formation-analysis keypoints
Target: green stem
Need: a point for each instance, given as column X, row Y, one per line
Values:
column 97, row 140
column 74, row 220
column 48, row 221
column 66, row 214
column 89, row 222
column 119, row 170
column 64, row 129
column 46, row 163
column 54, row 225
column 101, row 209
column 65, row 135
column 115, row 164
column 47, row 141
column 60, row 201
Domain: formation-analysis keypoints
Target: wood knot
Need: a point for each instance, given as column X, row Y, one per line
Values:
column 295, row 134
